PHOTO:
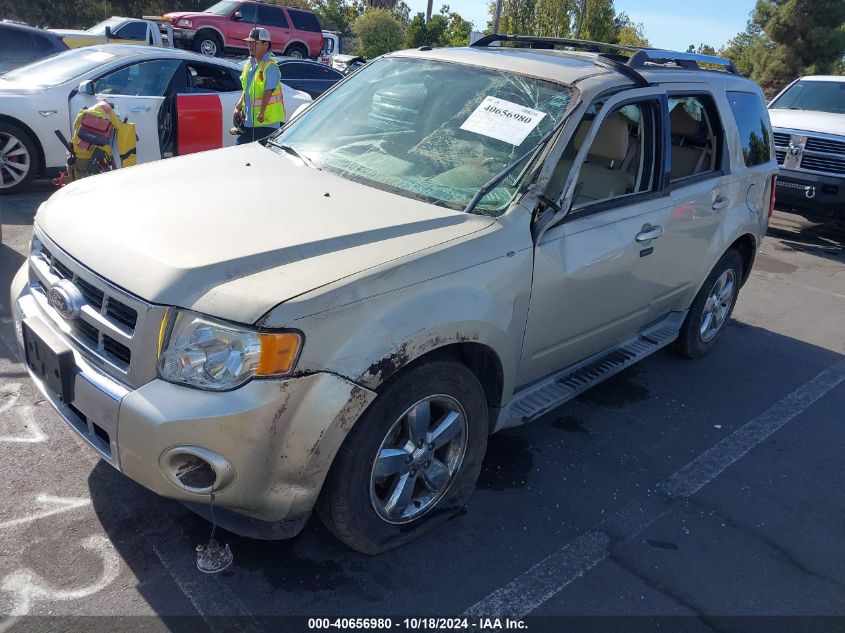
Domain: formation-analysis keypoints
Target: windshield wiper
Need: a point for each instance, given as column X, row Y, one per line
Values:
column 290, row 150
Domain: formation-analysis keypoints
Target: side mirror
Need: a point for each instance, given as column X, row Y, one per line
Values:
column 109, row 34
column 237, row 15
column 86, row 87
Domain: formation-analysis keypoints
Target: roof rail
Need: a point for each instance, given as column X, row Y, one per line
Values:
column 609, row 61
column 644, row 56
column 639, row 57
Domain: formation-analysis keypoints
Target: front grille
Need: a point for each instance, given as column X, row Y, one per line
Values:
column 113, row 327
column 821, row 163
column 780, row 155
column 825, row 146
column 781, row 139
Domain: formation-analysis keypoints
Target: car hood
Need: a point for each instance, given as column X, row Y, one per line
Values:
column 234, row 232
column 190, row 14
column 809, row 120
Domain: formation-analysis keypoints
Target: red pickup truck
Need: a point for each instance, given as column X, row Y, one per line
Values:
column 223, row 27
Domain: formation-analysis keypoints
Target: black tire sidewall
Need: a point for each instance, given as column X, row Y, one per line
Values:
column 689, row 341
column 34, row 161
column 296, row 47
column 347, row 509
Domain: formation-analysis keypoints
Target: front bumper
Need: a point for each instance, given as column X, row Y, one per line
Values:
column 183, row 38
column 276, row 438
column 815, row 196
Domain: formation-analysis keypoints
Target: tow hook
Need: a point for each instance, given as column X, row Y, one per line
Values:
column 809, row 192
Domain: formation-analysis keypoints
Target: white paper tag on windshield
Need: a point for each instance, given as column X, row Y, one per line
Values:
column 98, row 56
column 503, row 120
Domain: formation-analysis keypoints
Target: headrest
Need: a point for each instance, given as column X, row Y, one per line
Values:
column 681, row 123
column 611, row 141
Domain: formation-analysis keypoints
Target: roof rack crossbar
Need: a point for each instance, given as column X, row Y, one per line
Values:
column 686, row 60
column 541, row 42
column 586, row 45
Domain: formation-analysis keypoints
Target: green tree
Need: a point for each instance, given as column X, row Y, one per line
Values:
column 705, row 49
column 402, row 12
column 458, row 31
column 807, row 37
column 337, row 15
column 555, row 17
column 598, row 21
column 743, row 48
column 427, row 33
column 378, row 32
column 629, row 32
column 518, row 17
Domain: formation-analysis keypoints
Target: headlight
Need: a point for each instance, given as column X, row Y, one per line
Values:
column 200, row 352
column 185, row 24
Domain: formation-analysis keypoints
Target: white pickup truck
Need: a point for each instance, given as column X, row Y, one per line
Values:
column 114, row 30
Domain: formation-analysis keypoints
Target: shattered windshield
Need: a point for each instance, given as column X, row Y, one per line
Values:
column 819, row 96
column 430, row 130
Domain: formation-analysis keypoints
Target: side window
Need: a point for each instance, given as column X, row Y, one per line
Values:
column 249, row 13
column 43, row 44
column 292, row 71
column 318, row 71
column 132, row 31
column 145, row 79
column 621, row 160
column 697, row 136
column 16, row 42
column 271, row 16
column 755, row 131
column 207, row 78
column 305, row 21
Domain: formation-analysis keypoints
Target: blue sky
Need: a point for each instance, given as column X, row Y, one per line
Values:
column 670, row 24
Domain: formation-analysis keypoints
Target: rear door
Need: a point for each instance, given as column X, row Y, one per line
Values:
column 204, row 105
column 139, row 93
column 274, row 20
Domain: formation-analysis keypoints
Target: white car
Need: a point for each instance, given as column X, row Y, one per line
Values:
column 179, row 101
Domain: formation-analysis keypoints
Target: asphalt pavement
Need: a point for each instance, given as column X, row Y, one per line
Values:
column 710, row 488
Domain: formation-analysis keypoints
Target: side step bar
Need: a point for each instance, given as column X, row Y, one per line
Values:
column 548, row 393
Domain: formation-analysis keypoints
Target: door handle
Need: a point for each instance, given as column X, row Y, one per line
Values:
column 720, row 203
column 649, row 232
column 140, row 109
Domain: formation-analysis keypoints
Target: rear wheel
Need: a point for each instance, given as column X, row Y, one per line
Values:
column 208, row 43
column 18, row 158
column 297, row 51
column 711, row 308
column 411, row 461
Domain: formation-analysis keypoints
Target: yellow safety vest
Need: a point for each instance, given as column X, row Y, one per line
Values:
column 275, row 111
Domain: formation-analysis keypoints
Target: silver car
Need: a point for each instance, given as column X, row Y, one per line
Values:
column 449, row 243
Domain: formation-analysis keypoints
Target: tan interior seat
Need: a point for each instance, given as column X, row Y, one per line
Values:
column 687, row 159
column 601, row 177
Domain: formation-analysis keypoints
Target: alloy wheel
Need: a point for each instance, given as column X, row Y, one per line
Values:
column 208, row 48
column 418, row 459
column 718, row 305
column 15, row 161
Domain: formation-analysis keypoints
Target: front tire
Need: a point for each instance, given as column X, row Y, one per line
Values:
column 411, row 461
column 296, row 51
column 712, row 307
column 18, row 158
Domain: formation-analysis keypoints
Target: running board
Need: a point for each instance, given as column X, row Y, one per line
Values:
column 549, row 393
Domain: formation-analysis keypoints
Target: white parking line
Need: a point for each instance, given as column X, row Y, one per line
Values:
column 545, row 579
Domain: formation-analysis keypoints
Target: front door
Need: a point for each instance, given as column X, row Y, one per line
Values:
column 597, row 268
column 138, row 92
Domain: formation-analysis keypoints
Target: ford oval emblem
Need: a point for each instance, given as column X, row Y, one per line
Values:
column 66, row 299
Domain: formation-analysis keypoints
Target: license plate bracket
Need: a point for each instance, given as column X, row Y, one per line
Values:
column 49, row 358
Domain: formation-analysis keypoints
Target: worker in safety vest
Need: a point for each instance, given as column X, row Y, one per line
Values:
column 260, row 110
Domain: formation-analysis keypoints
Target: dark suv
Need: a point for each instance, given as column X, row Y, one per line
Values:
column 223, row 27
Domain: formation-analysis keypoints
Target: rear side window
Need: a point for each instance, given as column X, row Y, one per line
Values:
column 43, row 44
column 13, row 40
column 305, row 21
column 270, row 16
column 132, row 31
column 752, row 121
column 696, row 136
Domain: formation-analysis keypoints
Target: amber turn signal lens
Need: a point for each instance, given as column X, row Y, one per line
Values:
column 278, row 353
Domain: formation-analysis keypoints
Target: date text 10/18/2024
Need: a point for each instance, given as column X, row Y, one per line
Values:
column 417, row 624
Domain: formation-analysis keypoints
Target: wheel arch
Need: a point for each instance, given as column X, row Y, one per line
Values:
column 42, row 161
column 746, row 246
column 215, row 30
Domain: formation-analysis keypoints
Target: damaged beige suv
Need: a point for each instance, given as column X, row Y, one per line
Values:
column 448, row 243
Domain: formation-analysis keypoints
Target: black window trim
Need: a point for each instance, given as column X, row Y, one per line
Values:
column 721, row 142
column 661, row 189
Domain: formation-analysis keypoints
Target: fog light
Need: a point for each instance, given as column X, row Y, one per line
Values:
column 196, row 470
